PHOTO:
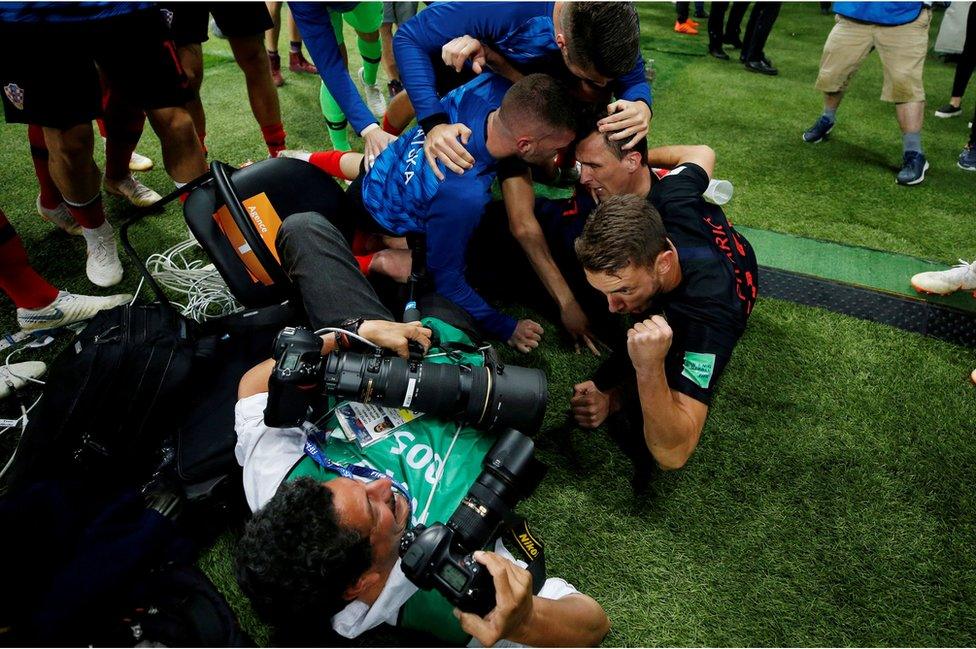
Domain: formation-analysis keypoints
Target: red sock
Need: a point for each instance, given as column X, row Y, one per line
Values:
column 50, row 196
column 328, row 161
column 364, row 261
column 390, row 128
column 88, row 215
column 274, row 137
column 123, row 128
column 26, row 288
column 101, row 121
column 359, row 243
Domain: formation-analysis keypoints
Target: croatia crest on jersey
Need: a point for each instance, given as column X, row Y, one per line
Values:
column 15, row 94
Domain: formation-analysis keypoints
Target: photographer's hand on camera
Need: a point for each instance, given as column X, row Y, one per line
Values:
column 527, row 336
column 591, row 407
column 395, row 336
column 511, row 619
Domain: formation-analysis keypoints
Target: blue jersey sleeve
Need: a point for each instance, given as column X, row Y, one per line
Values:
column 450, row 224
column 315, row 25
column 418, row 44
column 633, row 86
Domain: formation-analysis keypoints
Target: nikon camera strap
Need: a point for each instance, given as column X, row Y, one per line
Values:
column 531, row 549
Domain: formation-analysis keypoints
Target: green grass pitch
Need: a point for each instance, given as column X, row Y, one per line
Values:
column 831, row 500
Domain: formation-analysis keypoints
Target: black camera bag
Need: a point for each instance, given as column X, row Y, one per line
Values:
column 111, row 397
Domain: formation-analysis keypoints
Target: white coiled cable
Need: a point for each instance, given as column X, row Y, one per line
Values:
column 180, row 271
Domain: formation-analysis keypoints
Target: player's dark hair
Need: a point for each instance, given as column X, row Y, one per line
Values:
column 622, row 230
column 588, row 127
column 603, row 36
column 538, row 99
column 295, row 559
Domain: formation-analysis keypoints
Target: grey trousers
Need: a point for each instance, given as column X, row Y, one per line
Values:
column 318, row 261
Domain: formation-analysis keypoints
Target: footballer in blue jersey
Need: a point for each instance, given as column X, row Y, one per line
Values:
column 532, row 119
column 596, row 45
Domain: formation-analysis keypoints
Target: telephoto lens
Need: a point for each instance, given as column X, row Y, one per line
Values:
column 482, row 396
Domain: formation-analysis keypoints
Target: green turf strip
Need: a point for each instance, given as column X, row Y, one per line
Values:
column 863, row 267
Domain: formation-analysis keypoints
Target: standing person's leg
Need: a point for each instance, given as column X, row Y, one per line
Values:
column 244, row 25
column 967, row 159
column 77, row 176
column 716, row 22
column 138, row 60
column 681, row 11
column 394, row 13
column 124, row 122
column 734, row 26
column 188, row 31
column 271, row 41
column 386, row 39
column 261, row 90
column 845, row 49
column 769, row 12
column 40, row 305
column 22, row 284
column 760, row 25
column 50, row 204
column 296, row 60
column 366, row 19
column 335, row 119
column 902, row 51
column 683, row 24
column 964, row 68
column 35, row 94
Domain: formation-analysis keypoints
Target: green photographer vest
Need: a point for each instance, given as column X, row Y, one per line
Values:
column 415, row 455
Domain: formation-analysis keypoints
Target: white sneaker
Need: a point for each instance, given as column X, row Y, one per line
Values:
column 59, row 216
column 16, row 375
column 132, row 190
column 139, row 162
column 297, row 154
column 962, row 276
column 103, row 266
column 374, row 96
column 66, row 309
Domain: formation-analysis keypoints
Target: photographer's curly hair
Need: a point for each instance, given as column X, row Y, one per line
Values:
column 295, row 559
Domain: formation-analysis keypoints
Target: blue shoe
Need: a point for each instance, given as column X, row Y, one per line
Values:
column 818, row 131
column 913, row 168
column 967, row 159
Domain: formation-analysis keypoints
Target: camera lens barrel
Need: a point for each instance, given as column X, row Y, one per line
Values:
column 514, row 397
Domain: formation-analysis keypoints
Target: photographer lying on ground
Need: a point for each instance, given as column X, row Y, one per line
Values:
column 323, row 547
column 400, row 194
column 677, row 263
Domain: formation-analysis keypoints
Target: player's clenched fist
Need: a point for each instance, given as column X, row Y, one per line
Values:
column 648, row 343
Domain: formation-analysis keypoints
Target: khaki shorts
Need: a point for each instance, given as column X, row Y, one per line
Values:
column 902, row 50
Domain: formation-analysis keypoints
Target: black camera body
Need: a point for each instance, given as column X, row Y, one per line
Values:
column 440, row 556
column 296, row 379
column 489, row 396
